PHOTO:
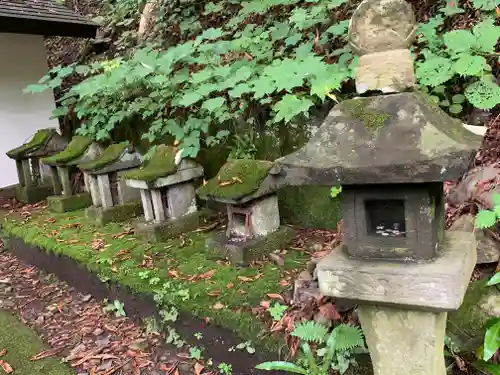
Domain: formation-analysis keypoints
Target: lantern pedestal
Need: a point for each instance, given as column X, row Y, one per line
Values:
column 403, row 305
column 404, row 342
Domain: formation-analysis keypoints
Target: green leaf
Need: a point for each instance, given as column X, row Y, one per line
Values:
column 340, row 28
column 444, row 103
column 485, row 4
column 211, row 34
column 495, row 199
column 434, row 71
column 310, row 331
column 190, row 98
column 487, row 35
column 491, row 368
column 451, row 10
column 455, row 108
column 491, row 341
column 483, row 94
column 290, row 106
column 459, row 99
column 282, row 366
column 293, row 39
column 458, row 41
column 495, row 279
column 469, row 65
column 485, row 219
column 213, row 104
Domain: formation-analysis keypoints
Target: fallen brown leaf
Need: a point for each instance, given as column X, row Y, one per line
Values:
column 265, row 304
column 329, row 311
column 214, row 293
column 245, row 279
column 218, row 306
column 206, row 275
column 229, row 285
column 6, row 367
column 3, row 352
column 45, row 354
column 198, row 368
column 276, row 296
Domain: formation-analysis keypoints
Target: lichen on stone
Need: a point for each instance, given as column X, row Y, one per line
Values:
column 38, row 140
column 161, row 164
column 236, row 179
column 75, row 149
column 359, row 109
column 109, row 156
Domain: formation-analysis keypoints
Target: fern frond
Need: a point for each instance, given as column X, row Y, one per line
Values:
column 310, row 331
column 347, row 337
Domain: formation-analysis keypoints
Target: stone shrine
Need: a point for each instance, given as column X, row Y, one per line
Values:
column 248, row 189
column 112, row 198
column 71, row 190
column 391, row 154
column 34, row 182
column 167, row 189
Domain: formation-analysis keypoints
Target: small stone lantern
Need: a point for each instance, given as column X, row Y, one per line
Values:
column 248, row 189
column 168, row 195
column 112, row 198
column 71, row 190
column 391, row 153
column 34, row 183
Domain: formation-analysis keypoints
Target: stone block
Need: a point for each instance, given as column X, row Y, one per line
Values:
column 181, row 200
column 60, row 203
column 438, row 285
column 117, row 213
column 162, row 231
column 404, row 342
column 126, row 193
column 241, row 252
column 33, row 194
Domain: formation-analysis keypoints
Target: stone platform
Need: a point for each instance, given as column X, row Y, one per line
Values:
column 242, row 252
column 117, row 213
column 33, row 194
column 61, row 203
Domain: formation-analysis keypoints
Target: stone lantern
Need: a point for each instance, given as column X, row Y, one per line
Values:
column 34, row 183
column 391, row 150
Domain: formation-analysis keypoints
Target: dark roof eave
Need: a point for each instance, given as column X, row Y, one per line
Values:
column 17, row 25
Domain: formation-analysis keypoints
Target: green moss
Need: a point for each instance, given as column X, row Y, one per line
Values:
column 21, row 344
column 161, row 164
column 71, row 234
column 236, row 179
column 109, row 156
column 117, row 213
column 73, row 151
column 360, row 110
column 61, row 203
column 37, row 141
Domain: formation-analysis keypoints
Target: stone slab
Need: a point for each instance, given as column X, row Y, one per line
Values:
column 33, row 194
column 118, row 213
column 242, row 252
column 180, row 176
column 61, row 203
column 437, row 285
column 162, row 231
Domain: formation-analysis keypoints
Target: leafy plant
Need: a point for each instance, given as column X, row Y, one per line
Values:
column 195, row 353
column 247, row 345
column 277, row 310
column 225, row 368
column 488, row 218
column 117, row 307
column 338, row 347
column 198, row 335
column 335, row 191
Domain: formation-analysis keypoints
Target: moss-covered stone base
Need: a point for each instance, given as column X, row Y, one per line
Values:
column 159, row 232
column 116, row 214
column 30, row 195
column 241, row 253
column 60, row 203
column 309, row 206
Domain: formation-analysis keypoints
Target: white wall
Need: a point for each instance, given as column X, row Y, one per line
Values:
column 22, row 62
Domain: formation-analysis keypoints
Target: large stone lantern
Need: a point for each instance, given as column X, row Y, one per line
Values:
column 391, row 150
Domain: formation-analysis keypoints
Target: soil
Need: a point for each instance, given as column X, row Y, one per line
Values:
column 66, row 310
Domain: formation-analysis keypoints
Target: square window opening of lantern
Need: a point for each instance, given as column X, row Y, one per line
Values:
column 239, row 225
column 164, row 198
column 385, row 218
column 113, row 187
column 368, row 208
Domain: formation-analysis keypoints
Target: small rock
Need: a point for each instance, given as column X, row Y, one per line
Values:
column 97, row 332
column 87, row 298
column 304, row 291
column 102, row 342
column 304, row 276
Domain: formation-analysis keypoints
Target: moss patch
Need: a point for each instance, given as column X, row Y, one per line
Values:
column 360, row 110
column 60, row 203
column 117, row 213
column 38, row 140
column 21, row 344
column 109, row 156
column 72, row 235
column 161, row 164
column 236, row 179
column 73, row 151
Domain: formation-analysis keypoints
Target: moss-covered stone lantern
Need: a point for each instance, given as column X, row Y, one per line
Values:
column 71, row 189
column 112, row 198
column 167, row 189
column 391, row 151
column 248, row 189
column 34, row 183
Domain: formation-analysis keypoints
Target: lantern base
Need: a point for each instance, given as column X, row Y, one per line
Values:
column 437, row 285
